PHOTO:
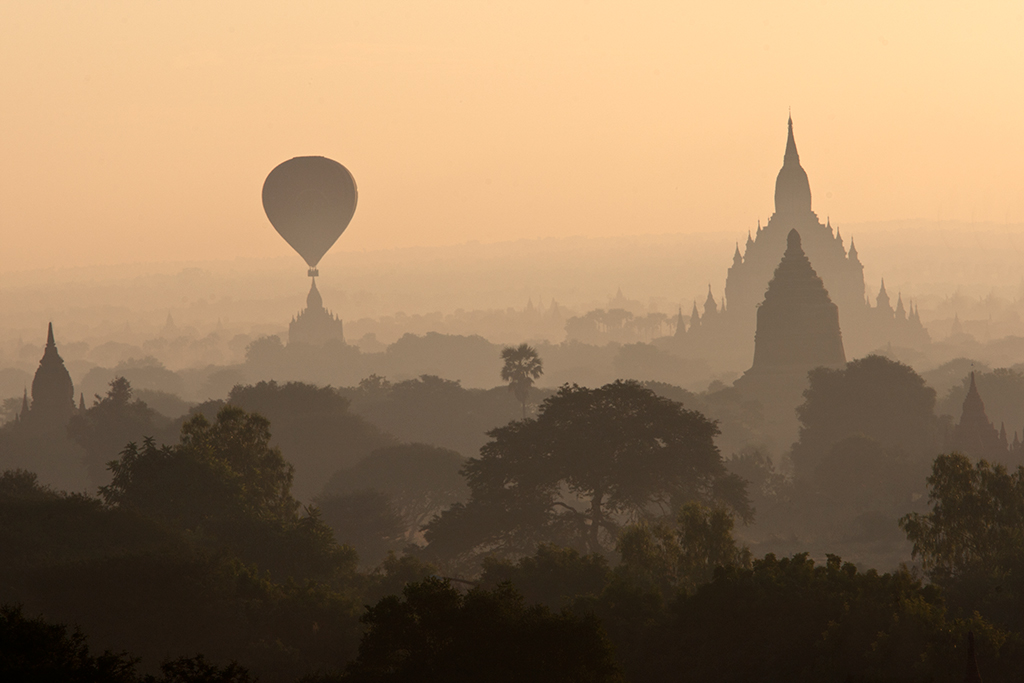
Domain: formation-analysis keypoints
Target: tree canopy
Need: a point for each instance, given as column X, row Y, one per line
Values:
column 435, row 633
column 225, row 483
column 522, row 366
column 976, row 522
column 683, row 556
column 111, row 422
column 433, row 410
column 873, row 397
column 419, row 480
column 313, row 426
column 590, row 460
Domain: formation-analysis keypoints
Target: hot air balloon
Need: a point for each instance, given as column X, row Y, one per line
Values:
column 310, row 201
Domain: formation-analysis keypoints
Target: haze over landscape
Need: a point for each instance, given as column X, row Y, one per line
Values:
column 640, row 308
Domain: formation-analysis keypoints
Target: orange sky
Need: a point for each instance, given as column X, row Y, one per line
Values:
column 142, row 131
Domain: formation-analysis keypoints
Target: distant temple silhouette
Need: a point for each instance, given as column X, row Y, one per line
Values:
column 729, row 325
column 53, row 394
column 797, row 331
column 315, row 325
column 975, row 435
column 797, row 324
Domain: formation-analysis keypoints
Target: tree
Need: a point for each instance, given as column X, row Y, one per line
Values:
column 141, row 585
column 554, row 576
column 111, row 422
column 228, row 487
column 522, row 367
column 314, row 428
column 976, row 523
column 591, row 459
column 224, row 468
column 365, row 520
column 680, row 558
column 266, row 352
column 435, row 633
column 37, row 650
column 433, row 410
column 791, row 619
column 873, row 397
column 418, row 479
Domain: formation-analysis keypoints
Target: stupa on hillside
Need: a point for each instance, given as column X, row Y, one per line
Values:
column 315, row 325
column 726, row 327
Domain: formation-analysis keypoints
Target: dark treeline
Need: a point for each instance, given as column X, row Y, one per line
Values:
column 418, row 530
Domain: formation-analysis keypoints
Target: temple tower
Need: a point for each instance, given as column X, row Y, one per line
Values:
column 974, row 434
column 797, row 330
column 53, row 394
column 842, row 274
column 315, row 325
column 797, row 324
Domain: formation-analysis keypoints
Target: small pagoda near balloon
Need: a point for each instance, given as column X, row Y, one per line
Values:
column 315, row 325
column 310, row 201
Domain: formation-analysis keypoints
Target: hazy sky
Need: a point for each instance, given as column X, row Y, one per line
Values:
column 142, row 131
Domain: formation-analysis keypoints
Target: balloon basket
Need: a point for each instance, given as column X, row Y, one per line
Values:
column 313, row 272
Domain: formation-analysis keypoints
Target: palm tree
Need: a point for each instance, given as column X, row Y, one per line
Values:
column 522, row 366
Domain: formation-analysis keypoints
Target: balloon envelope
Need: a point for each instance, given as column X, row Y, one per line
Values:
column 310, row 201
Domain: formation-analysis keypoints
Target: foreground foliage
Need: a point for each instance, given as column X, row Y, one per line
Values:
column 225, row 485
column 435, row 633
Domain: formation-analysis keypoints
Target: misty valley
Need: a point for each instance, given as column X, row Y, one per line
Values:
column 797, row 478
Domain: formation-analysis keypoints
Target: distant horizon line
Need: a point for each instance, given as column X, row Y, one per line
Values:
column 339, row 249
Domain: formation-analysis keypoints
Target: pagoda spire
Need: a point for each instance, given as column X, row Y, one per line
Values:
column 53, row 394
column 792, row 189
column 709, row 304
column 792, row 156
column 882, row 301
column 314, row 301
column 974, row 435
